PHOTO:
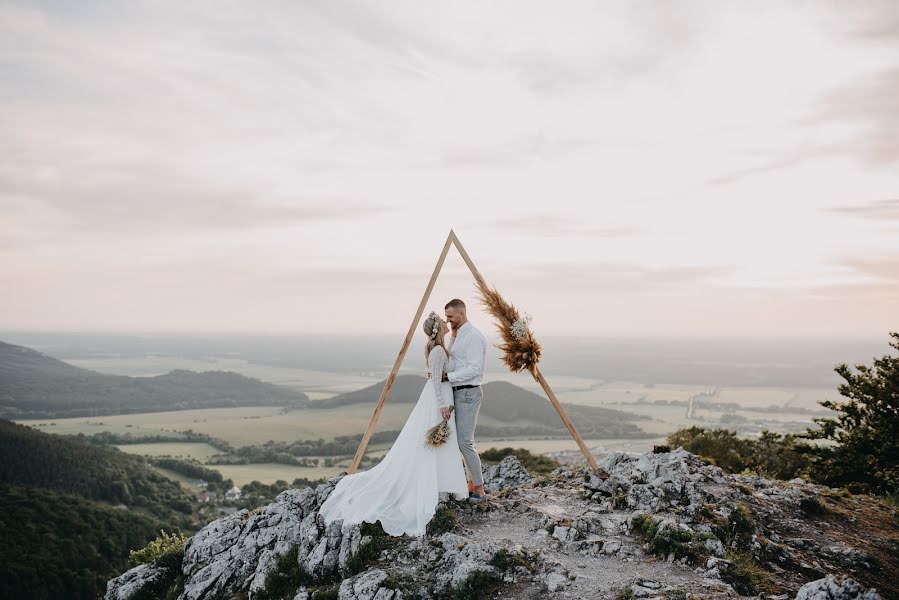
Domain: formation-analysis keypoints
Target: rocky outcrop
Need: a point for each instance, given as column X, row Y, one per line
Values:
column 125, row 585
column 368, row 586
column 829, row 588
column 238, row 551
column 507, row 473
column 659, row 525
column 461, row 557
column 662, row 482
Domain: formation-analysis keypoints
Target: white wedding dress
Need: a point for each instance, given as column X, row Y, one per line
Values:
column 402, row 490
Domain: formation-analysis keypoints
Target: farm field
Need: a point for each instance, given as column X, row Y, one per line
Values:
column 185, row 481
column 246, row 426
column 195, row 450
column 807, row 398
column 272, row 472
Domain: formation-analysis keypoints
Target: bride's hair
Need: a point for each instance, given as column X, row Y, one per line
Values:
column 434, row 330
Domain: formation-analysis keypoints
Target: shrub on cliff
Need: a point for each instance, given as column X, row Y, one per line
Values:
column 864, row 452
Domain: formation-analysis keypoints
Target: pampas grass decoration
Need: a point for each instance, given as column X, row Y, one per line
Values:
column 521, row 351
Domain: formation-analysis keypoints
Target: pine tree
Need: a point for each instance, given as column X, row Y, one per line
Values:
column 861, row 443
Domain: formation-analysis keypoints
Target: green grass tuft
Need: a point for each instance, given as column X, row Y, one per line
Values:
column 285, row 579
column 737, row 529
column 505, row 560
column 677, row 594
column 477, row 586
column 812, row 506
column 404, row 583
column 329, row 592
column 746, row 576
column 445, row 519
column 625, row 594
column 167, row 553
column 369, row 552
column 680, row 542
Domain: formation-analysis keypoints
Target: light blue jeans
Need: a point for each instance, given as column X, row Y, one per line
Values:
column 468, row 405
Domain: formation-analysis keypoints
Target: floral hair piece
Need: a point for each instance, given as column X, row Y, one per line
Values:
column 436, row 326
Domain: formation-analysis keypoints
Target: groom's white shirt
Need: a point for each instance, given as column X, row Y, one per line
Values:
column 468, row 352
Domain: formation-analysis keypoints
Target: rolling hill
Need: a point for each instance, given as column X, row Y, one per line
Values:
column 75, row 466
column 510, row 403
column 70, row 512
column 34, row 385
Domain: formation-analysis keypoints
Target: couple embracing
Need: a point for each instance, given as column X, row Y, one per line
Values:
column 402, row 491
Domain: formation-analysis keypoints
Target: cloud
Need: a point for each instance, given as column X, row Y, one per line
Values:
column 867, row 106
column 618, row 277
column 880, row 210
column 773, row 165
column 150, row 198
column 876, row 21
column 526, row 149
column 884, row 269
column 608, row 47
column 869, row 102
column 289, row 154
column 550, row 226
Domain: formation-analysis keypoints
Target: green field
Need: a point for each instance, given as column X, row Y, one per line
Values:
column 185, row 481
column 246, row 426
column 196, row 450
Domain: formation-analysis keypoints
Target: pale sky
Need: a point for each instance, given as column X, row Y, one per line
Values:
column 702, row 169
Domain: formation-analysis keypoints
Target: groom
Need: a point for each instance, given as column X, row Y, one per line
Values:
column 465, row 370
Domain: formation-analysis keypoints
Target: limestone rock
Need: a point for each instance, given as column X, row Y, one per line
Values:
column 367, row 586
column 461, row 558
column 660, row 482
column 238, row 551
column 123, row 586
column 509, row 472
column 555, row 581
column 829, row 588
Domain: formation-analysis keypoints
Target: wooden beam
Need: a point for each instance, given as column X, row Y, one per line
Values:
column 399, row 359
column 466, row 258
column 577, row 437
column 539, row 377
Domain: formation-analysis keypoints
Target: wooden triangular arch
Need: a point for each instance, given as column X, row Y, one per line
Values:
column 453, row 240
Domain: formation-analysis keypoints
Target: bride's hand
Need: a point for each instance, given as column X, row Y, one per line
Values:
column 446, row 413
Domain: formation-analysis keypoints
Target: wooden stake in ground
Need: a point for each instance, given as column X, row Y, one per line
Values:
column 452, row 239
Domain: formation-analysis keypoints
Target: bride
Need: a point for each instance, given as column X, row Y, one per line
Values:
column 402, row 490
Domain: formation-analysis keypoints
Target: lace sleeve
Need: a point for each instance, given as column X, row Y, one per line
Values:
column 436, row 363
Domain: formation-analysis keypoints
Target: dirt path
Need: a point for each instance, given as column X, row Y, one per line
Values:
column 528, row 517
